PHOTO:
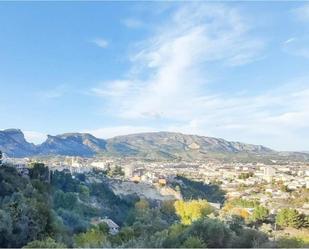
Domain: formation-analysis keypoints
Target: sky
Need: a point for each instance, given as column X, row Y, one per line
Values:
column 234, row 70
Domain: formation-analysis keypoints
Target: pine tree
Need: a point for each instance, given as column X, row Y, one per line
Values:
column 295, row 219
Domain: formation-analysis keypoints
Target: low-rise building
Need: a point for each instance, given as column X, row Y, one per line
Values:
column 112, row 226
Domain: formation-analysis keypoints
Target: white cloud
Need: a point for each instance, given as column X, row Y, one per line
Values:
column 35, row 137
column 132, row 23
column 275, row 119
column 174, row 75
column 175, row 56
column 292, row 39
column 101, row 42
column 113, row 88
column 298, row 46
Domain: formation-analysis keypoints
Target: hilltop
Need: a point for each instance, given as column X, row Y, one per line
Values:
column 153, row 146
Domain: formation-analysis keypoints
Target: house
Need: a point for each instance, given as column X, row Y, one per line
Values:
column 112, row 226
column 215, row 205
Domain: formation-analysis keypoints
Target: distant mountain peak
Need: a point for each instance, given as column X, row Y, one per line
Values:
column 150, row 145
column 13, row 143
column 72, row 144
column 174, row 144
column 12, row 130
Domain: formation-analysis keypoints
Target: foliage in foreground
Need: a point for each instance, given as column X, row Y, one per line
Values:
column 53, row 212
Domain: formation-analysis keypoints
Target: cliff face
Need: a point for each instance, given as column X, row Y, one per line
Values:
column 72, row 144
column 176, row 145
column 14, row 144
column 156, row 145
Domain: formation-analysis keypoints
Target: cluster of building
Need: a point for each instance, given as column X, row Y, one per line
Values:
column 272, row 184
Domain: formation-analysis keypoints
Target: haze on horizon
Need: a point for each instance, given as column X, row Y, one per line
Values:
column 237, row 71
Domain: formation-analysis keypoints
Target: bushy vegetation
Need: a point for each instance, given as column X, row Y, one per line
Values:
column 191, row 211
column 54, row 211
column 46, row 209
column 198, row 190
column 25, row 210
column 245, row 175
column 289, row 217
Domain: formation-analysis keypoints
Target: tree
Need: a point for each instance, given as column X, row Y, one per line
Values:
column 92, row 238
column 174, row 238
column 116, row 171
column 193, row 242
column 65, row 200
column 84, row 192
column 288, row 217
column 142, row 204
column 192, row 210
column 211, row 232
column 290, row 242
column 168, row 207
column 47, row 243
column 260, row 214
column 282, row 218
column 39, row 171
column 244, row 176
column 5, row 227
column 236, row 223
column 73, row 222
column 25, row 210
column 126, row 234
column 250, row 238
column 306, row 221
column 296, row 219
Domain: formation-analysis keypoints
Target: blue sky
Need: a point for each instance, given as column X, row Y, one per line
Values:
column 238, row 71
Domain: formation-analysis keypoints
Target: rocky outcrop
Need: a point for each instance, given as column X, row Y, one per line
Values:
column 14, row 144
column 72, row 144
column 156, row 145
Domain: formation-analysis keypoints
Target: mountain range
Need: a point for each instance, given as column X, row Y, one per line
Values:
column 154, row 145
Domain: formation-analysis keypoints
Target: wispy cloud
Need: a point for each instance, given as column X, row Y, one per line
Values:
column 35, row 137
column 292, row 39
column 132, row 23
column 101, row 42
column 298, row 46
column 175, row 58
column 115, row 88
column 54, row 93
column 171, row 77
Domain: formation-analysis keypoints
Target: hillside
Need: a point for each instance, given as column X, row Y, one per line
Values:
column 75, row 144
column 62, row 211
column 13, row 143
column 169, row 145
column 156, row 145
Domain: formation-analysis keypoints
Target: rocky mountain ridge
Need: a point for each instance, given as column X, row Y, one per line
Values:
column 153, row 145
column 13, row 143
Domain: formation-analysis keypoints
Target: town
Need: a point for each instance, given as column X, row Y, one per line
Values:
column 276, row 185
